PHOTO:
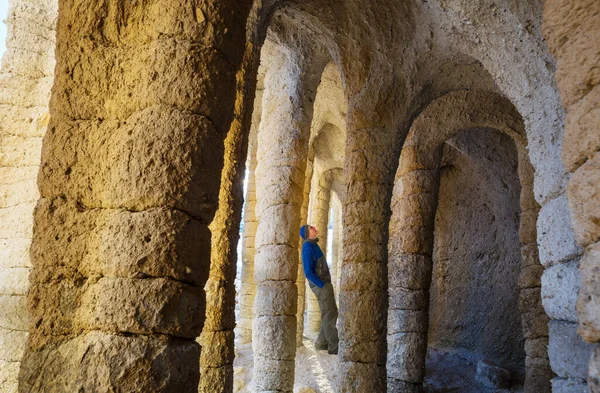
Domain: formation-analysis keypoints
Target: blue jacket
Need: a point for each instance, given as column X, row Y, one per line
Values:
column 314, row 263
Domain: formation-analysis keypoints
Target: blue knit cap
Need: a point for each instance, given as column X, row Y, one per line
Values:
column 304, row 231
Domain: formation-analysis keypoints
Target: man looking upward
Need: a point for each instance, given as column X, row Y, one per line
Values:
column 319, row 280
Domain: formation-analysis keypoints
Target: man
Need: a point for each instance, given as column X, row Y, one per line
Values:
column 319, row 280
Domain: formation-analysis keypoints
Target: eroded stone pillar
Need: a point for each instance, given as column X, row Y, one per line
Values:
column 291, row 79
column 368, row 169
column 336, row 244
column 248, row 286
column 534, row 320
column 129, row 181
column 571, row 30
column 414, row 203
column 217, row 338
column 340, row 255
column 319, row 217
column 301, row 280
column 25, row 81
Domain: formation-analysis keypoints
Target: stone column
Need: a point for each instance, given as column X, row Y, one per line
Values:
column 534, row 320
column 368, row 168
column 290, row 89
column 25, row 81
column 301, row 280
column 335, row 244
column 340, row 253
column 414, row 203
column 217, row 338
column 129, row 181
column 572, row 30
column 319, row 217
column 248, row 286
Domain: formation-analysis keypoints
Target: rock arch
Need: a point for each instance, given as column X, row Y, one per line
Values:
column 411, row 235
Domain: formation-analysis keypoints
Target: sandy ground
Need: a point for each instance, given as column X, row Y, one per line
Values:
column 314, row 369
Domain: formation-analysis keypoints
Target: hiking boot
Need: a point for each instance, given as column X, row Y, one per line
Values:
column 320, row 347
column 333, row 351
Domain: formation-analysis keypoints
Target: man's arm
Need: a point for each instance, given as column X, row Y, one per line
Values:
column 307, row 264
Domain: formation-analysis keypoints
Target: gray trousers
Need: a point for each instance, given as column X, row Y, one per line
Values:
column 328, row 334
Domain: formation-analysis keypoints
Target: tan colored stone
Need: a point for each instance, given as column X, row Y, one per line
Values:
column 589, row 295
column 527, row 226
column 14, row 312
column 272, row 375
column 273, row 266
column 538, row 374
column 17, row 221
column 120, row 243
column 14, row 281
column 141, row 306
column 216, row 351
column 74, row 364
column 277, row 223
column 364, row 277
column 529, row 299
column 581, row 139
column 530, row 255
column 537, row 347
column 531, row 276
column 572, row 31
column 410, row 271
column 584, row 201
column 355, row 373
column 273, row 298
column 216, row 378
column 9, row 372
column 534, row 324
column 12, row 344
column 406, row 358
column 91, row 168
column 415, row 182
column 18, row 151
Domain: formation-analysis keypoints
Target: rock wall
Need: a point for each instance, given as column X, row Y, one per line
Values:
column 474, row 296
column 25, row 81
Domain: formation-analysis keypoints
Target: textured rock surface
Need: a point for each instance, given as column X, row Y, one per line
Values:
column 491, row 376
column 248, row 287
column 411, row 238
column 121, row 246
column 319, row 217
column 477, row 261
column 142, row 100
column 283, row 137
column 301, row 283
column 572, row 32
column 217, row 338
column 25, row 81
column 569, row 354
